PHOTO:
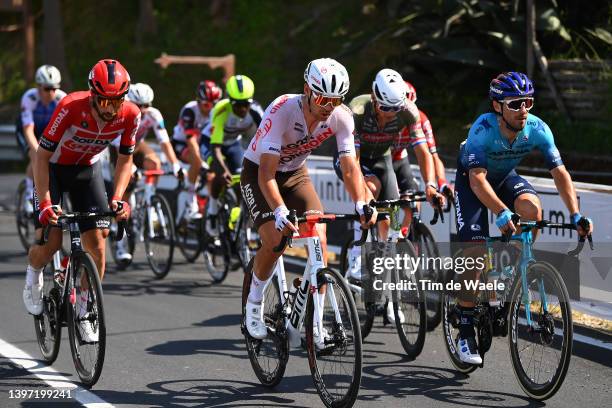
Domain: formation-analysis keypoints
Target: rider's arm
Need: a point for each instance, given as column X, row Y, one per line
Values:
column 123, row 173
column 353, row 180
column 565, row 187
column 425, row 164
column 166, row 147
column 483, row 190
column 41, row 174
column 27, row 121
column 219, row 115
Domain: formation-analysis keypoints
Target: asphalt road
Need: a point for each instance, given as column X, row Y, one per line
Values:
column 177, row 343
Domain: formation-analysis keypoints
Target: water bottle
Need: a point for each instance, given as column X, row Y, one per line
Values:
column 505, row 277
column 233, row 218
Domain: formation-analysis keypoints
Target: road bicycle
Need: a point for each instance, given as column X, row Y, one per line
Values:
column 64, row 279
column 534, row 306
column 321, row 302
column 151, row 223
column 236, row 235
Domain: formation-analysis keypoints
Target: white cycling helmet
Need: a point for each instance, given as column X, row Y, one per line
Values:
column 327, row 77
column 140, row 94
column 389, row 88
column 48, row 75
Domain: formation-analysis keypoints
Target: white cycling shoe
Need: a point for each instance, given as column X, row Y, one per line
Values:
column 354, row 267
column 468, row 351
column 254, row 320
column 391, row 314
column 211, row 226
column 32, row 299
column 319, row 340
column 192, row 212
column 88, row 334
column 121, row 252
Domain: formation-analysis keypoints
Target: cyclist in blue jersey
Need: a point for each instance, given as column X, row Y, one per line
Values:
column 486, row 179
column 37, row 106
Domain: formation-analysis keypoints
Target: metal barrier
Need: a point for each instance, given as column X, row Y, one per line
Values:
column 9, row 150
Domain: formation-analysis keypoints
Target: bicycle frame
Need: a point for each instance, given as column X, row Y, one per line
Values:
column 142, row 196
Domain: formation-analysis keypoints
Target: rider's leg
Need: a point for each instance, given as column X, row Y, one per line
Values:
column 94, row 242
column 38, row 257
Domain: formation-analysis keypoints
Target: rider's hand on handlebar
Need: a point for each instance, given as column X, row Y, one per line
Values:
column 430, row 192
column 364, row 211
column 121, row 207
column 281, row 222
column 48, row 213
column 584, row 225
column 177, row 170
column 504, row 222
column 227, row 177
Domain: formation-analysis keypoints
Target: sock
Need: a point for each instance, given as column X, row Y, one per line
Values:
column 321, row 305
column 257, row 289
column 213, row 206
column 29, row 184
column 83, row 302
column 356, row 250
column 466, row 322
column 34, row 276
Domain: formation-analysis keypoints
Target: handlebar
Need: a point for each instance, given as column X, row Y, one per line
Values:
column 412, row 197
column 74, row 217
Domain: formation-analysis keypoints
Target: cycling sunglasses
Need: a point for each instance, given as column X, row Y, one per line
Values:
column 105, row 102
column 385, row 108
column 517, row 104
column 144, row 106
column 241, row 104
column 49, row 88
column 321, row 100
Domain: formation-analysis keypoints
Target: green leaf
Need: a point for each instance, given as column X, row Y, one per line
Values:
column 602, row 34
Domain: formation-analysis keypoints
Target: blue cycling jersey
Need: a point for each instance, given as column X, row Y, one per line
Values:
column 487, row 148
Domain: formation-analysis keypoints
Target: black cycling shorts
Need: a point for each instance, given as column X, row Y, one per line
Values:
column 405, row 180
column 382, row 168
column 85, row 188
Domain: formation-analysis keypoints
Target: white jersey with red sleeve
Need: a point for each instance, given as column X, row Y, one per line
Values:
column 151, row 119
column 74, row 136
column 406, row 139
column 283, row 132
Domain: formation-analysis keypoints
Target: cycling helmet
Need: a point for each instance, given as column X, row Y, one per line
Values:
column 109, row 79
column 240, row 88
column 389, row 88
column 208, row 91
column 140, row 94
column 48, row 76
column 411, row 93
column 327, row 77
column 510, row 84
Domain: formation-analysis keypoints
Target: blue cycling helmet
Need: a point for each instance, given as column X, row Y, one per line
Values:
column 510, row 84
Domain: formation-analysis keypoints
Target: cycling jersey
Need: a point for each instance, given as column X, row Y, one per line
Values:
column 226, row 128
column 191, row 122
column 34, row 112
column 74, row 136
column 486, row 147
column 373, row 142
column 151, row 119
column 407, row 138
column 283, row 132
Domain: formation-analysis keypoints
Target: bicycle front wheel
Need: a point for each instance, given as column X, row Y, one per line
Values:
column 86, row 325
column 48, row 325
column 159, row 236
column 541, row 351
column 335, row 356
column 217, row 251
column 25, row 221
column 268, row 356
column 189, row 238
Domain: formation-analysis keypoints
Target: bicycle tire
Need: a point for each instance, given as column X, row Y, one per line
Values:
column 278, row 342
column 344, row 297
column 89, row 377
column 160, row 204
column 123, row 264
column 410, row 300
column 48, row 325
column 531, row 388
column 25, row 224
column 450, row 337
column 217, row 251
column 365, row 310
column 188, row 237
column 433, row 300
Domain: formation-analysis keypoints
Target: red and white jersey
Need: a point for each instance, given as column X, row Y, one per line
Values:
column 151, row 119
column 76, row 138
column 404, row 140
column 283, row 132
column 190, row 123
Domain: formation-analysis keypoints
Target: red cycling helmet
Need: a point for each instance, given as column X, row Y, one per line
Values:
column 411, row 92
column 208, row 91
column 109, row 79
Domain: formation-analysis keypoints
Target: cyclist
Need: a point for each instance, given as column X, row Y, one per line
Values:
column 379, row 117
column 401, row 165
column 193, row 118
column 486, row 179
column 37, row 106
column 275, row 178
column 232, row 118
column 144, row 156
column 81, row 128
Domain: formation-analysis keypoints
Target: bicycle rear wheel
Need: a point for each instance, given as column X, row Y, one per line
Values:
column 335, row 366
column 48, row 325
column 540, row 353
column 411, row 303
column 426, row 244
column 450, row 328
column 189, row 238
column 159, row 236
column 268, row 356
column 87, row 354
column 365, row 310
column 217, row 250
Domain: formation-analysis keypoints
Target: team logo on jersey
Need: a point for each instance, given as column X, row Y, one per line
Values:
column 84, row 125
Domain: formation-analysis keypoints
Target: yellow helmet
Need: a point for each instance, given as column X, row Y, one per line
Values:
column 240, row 88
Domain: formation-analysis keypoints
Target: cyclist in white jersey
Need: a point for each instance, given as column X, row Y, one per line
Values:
column 37, row 106
column 144, row 156
column 275, row 178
